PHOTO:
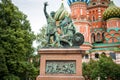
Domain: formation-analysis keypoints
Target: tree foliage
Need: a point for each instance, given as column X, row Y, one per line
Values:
column 41, row 37
column 104, row 68
column 16, row 40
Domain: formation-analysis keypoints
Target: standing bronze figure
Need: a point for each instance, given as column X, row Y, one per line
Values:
column 52, row 35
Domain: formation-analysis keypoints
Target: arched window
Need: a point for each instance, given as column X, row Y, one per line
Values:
column 86, row 56
column 93, row 38
column 98, row 36
column 96, row 55
column 93, row 18
column 102, row 36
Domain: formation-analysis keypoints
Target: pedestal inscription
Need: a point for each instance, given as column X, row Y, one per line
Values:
column 60, row 67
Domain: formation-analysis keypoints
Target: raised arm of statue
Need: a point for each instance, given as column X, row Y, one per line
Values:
column 45, row 11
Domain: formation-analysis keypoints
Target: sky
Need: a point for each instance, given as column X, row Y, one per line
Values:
column 34, row 10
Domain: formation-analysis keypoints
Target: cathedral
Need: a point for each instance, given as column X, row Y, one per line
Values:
column 99, row 22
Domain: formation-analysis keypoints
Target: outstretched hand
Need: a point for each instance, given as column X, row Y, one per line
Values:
column 46, row 4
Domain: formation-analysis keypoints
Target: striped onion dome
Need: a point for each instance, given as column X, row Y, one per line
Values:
column 72, row 1
column 61, row 13
column 111, row 12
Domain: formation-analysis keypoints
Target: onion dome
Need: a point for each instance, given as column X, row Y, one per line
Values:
column 61, row 13
column 111, row 12
column 72, row 1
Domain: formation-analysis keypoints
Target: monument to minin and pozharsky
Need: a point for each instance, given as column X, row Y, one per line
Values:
column 61, row 58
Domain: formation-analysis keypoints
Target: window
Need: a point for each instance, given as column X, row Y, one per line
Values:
column 113, row 55
column 96, row 55
column 94, row 3
column 93, row 18
column 86, row 56
column 98, row 36
column 103, row 3
column 93, row 38
column 102, row 36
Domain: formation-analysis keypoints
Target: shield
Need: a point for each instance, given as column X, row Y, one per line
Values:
column 78, row 39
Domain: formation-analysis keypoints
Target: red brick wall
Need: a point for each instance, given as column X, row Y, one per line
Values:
column 113, row 23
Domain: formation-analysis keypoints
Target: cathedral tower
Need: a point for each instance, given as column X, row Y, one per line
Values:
column 112, row 18
column 79, row 17
column 95, row 12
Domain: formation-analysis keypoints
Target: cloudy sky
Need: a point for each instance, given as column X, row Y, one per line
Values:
column 34, row 10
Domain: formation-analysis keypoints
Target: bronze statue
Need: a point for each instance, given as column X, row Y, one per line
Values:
column 68, row 30
column 51, row 28
column 68, row 36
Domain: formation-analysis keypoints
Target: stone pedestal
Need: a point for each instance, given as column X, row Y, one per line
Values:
column 61, row 64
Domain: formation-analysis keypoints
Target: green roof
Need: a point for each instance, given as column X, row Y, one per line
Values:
column 105, row 49
column 87, row 43
column 111, row 12
column 105, row 44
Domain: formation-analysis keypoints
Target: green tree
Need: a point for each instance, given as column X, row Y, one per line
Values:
column 16, row 40
column 3, row 67
column 41, row 37
column 108, row 68
column 104, row 68
column 90, row 69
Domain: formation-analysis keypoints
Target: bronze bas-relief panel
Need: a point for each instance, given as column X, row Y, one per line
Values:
column 60, row 67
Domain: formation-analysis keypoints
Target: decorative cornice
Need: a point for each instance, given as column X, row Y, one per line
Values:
column 106, row 45
column 116, row 49
column 113, row 19
column 77, row 3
